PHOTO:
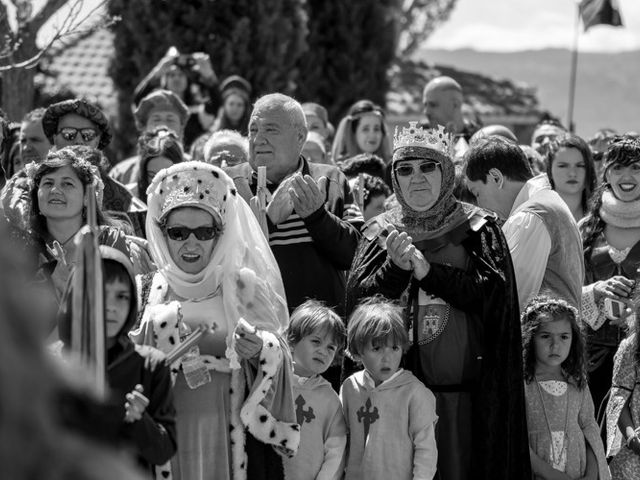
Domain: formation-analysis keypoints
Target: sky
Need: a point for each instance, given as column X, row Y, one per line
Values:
column 513, row 25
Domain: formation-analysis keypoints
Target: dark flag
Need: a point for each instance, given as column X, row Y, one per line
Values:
column 600, row 12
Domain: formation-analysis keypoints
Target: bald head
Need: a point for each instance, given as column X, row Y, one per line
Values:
column 494, row 130
column 442, row 100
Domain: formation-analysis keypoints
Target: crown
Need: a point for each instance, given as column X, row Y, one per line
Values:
column 433, row 138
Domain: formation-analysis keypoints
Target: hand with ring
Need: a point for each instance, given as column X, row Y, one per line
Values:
column 617, row 288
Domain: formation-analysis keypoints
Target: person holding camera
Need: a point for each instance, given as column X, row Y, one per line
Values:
column 611, row 242
column 192, row 78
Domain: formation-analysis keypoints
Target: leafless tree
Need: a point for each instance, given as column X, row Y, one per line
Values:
column 19, row 53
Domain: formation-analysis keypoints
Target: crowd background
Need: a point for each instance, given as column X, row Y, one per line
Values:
column 514, row 261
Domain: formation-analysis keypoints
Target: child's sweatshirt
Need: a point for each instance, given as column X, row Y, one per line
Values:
column 391, row 428
column 323, row 433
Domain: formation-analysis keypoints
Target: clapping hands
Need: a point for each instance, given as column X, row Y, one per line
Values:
column 405, row 255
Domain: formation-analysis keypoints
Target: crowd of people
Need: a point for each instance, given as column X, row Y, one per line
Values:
column 436, row 302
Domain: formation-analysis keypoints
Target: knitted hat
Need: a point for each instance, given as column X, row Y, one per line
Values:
column 160, row 100
column 79, row 106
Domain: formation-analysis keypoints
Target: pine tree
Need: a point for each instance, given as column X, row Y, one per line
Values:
column 260, row 40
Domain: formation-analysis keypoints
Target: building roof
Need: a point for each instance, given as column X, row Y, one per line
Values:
column 492, row 99
column 82, row 67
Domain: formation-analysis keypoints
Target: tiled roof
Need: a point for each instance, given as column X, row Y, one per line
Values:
column 82, row 67
column 489, row 97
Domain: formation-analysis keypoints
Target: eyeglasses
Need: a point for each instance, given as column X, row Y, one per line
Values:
column 70, row 133
column 425, row 167
column 182, row 233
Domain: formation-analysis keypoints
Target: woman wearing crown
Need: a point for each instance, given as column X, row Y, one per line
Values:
column 448, row 263
column 233, row 390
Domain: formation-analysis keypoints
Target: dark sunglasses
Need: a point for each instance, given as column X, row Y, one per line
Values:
column 425, row 167
column 70, row 133
column 182, row 233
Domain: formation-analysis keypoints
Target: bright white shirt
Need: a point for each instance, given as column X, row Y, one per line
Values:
column 529, row 242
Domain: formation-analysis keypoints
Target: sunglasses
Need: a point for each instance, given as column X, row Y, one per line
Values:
column 424, row 167
column 70, row 133
column 182, row 233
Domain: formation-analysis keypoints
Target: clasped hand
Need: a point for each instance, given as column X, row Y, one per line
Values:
column 300, row 193
column 405, row 255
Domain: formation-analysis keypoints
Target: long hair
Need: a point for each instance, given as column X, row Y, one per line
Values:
column 68, row 156
column 573, row 368
column 567, row 141
column 624, row 151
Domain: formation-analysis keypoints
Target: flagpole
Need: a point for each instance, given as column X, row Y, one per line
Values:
column 574, row 68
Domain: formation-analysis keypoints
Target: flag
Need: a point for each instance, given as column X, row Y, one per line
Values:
column 600, row 12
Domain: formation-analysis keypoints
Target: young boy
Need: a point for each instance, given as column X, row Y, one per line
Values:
column 390, row 414
column 138, row 413
column 315, row 335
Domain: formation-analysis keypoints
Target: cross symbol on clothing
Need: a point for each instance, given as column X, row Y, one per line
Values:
column 367, row 417
column 303, row 415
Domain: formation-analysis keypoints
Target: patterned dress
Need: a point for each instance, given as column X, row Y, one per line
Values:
column 625, row 463
column 561, row 423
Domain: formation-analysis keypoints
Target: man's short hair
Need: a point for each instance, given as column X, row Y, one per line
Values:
column 289, row 105
column 499, row 153
column 226, row 137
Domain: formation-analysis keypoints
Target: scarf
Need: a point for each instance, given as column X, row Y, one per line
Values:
column 446, row 214
column 618, row 213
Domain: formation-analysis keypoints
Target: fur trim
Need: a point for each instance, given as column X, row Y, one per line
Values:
column 258, row 420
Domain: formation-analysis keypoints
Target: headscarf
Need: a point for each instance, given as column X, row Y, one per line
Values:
column 81, row 107
column 241, row 248
column 416, row 143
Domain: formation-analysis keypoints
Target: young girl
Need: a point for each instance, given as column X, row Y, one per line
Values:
column 623, row 409
column 564, row 441
column 390, row 414
column 315, row 334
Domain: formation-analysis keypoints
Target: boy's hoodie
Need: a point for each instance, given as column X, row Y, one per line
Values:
column 152, row 438
column 391, row 427
column 323, row 433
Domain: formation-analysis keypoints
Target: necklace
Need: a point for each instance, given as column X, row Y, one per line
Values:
column 556, row 456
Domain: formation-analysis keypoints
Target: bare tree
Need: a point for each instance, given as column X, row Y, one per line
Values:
column 417, row 19
column 19, row 53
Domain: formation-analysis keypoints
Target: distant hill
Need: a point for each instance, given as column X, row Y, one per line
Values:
column 608, row 85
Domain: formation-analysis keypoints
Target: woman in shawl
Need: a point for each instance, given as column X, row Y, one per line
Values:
column 233, row 391
column 449, row 265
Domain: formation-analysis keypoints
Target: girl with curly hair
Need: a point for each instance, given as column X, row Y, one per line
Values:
column 564, row 441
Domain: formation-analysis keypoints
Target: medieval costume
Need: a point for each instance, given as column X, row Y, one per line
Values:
column 463, row 318
column 231, row 414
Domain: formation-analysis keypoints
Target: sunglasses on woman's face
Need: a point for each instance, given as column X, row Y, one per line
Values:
column 182, row 233
column 70, row 133
column 407, row 170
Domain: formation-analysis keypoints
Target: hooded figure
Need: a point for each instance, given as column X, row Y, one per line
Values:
column 152, row 438
column 449, row 265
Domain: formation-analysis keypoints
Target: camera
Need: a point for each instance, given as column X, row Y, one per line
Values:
column 185, row 61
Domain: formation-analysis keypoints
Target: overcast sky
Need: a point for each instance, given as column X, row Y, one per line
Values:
column 511, row 25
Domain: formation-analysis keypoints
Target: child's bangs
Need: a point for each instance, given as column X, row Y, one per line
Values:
column 113, row 271
column 383, row 330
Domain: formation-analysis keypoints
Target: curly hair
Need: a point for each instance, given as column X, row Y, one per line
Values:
column 543, row 309
column 624, row 151
column 72, row 157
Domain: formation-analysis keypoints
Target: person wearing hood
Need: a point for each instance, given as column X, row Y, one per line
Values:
column 449, row 264
column 138, row 414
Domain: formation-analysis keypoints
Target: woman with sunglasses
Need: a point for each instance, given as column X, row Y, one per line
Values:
column 233, row 389
column 448, row 263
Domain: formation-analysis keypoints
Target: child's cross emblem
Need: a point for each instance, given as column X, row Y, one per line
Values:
column 367, row 417
column 303, row 415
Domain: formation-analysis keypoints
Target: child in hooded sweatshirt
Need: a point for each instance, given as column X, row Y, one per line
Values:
column 315, row 334
column 138, row 414
column 391, row 415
